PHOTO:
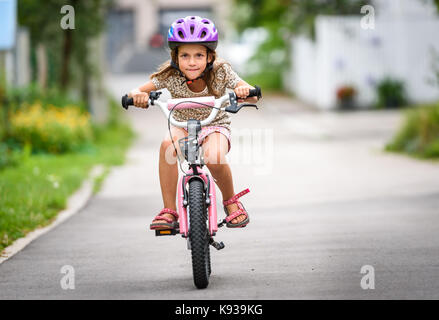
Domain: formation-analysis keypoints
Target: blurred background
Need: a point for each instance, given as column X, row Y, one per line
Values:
column 327, row 55
column 349, row 120
column 65, row 64
column 323, row 52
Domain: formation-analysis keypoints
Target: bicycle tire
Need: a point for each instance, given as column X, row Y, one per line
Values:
column 209, row 266
column 199, row 234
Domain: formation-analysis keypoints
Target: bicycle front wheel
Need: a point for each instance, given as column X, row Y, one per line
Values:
column 199, row 234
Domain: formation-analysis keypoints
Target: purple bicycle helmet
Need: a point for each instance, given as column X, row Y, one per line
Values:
column 193, row 29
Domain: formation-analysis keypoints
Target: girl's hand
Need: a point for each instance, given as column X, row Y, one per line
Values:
column 140, row 98
column 243, row 92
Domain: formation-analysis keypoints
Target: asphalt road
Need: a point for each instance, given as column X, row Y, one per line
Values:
column 325, row 201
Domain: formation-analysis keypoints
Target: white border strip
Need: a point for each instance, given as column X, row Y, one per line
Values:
column 74, row 204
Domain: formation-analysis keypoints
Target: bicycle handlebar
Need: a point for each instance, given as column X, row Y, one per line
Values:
column 233, row 108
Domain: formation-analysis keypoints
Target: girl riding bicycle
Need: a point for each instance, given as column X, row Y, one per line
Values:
column 195, row 71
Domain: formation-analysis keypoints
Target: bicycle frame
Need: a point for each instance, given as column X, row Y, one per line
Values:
column 193, row 158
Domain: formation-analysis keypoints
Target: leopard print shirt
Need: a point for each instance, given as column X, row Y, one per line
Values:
column 176, row 85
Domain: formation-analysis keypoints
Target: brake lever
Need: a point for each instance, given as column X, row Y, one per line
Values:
column 236, row 108
column 248, row 105
column 154, row 95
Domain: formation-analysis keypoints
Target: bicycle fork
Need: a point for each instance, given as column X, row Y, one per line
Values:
column 183, row 201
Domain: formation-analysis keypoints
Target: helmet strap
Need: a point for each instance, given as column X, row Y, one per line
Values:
column 209, row 67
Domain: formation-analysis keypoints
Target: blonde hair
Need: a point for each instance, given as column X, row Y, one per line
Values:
column 166, row 70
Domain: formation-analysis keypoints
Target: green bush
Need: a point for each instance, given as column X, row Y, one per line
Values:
column 267, row 80
column 116, row 116
column 32, row 93
column 52, row 129
column 419, row 134
column 391, row 93
column 11, row 157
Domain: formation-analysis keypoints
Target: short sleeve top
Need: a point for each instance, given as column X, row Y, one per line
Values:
column 176, row 85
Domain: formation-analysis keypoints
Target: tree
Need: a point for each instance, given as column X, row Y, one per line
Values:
column 297, row 16
column 64, row 48
column 282, row 19
column 36, row 16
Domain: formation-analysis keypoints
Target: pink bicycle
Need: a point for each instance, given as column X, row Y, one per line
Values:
column 196, row 189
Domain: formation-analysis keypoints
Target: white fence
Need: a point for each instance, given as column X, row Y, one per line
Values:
column 344, row 53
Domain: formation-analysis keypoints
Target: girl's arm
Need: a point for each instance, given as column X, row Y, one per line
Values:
column 147, row 87
column 140, row 95
column 242, row 90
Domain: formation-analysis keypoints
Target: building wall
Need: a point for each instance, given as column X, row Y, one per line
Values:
column 147, row 14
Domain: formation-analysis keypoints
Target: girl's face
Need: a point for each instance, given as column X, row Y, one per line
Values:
column 192, row 59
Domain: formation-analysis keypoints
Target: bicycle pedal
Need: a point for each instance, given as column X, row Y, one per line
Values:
column 166, row 232
column 217, row 245
column 222, row 223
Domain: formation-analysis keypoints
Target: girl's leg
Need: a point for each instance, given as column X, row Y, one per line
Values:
column 215, row 147
column 168, row 170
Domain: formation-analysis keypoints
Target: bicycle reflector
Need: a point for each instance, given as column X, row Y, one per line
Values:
column 166, row 232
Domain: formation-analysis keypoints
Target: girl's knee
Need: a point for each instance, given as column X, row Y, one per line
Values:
column 214, row 157
column 215, row 149
column 170, row 142
column 167, row 151
column 165, row 145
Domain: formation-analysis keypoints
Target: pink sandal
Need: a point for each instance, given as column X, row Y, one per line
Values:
column 161, row 225
column 237, row 213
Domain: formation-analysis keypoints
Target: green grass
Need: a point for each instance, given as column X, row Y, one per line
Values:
column 99, row 180
column 419, row 134
column 32, row 193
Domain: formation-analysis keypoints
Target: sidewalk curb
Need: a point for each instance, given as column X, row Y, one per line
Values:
column 75, row 203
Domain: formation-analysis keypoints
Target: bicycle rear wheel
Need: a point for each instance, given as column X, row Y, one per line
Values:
column 199, row 234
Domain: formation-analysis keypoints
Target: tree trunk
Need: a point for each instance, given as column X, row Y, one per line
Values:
column 67, row 47
column 42, row 66
column 85, row 90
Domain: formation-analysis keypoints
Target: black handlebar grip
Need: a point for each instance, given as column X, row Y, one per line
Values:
column 256, row 92
column 126, row 102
